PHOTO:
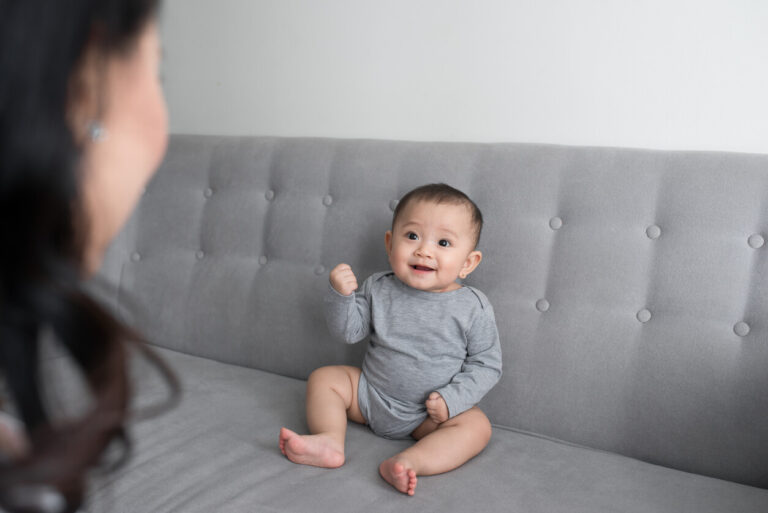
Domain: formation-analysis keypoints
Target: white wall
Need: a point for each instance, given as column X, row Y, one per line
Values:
column 670, row 74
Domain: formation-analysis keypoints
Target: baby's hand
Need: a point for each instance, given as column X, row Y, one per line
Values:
column 343, row 279
column 436, row 408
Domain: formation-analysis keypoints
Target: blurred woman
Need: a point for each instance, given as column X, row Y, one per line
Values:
column 82, row 129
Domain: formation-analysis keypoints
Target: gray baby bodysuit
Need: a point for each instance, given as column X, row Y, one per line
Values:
column 420, row 342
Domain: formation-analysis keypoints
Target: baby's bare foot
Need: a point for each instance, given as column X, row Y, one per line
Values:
column 315, row 450
column 399, row 474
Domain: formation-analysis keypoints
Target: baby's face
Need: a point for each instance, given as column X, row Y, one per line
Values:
column 431, row 245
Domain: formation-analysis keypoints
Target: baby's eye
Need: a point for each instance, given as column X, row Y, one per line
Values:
column 412, row 236
column 444, row 243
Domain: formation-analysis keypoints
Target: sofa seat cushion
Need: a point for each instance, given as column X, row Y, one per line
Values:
column 218, row 451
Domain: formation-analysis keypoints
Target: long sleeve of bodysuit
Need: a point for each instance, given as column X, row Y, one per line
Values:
column 348, row 317
column 482, row 366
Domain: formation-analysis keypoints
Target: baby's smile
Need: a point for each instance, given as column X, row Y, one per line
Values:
column 422, row 268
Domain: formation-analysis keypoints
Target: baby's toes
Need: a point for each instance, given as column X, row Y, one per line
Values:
column 412, row 481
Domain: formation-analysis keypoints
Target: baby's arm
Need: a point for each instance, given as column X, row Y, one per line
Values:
column 481, row 369
column 347, row 313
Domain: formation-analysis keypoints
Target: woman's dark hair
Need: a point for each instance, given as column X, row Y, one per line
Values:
column 43, row 231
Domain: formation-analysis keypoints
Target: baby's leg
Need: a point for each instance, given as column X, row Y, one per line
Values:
column 441, row 447
column 331, row 400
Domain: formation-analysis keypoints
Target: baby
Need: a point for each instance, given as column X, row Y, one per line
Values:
column 434, row 349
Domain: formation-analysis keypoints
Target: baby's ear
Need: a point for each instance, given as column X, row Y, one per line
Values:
column 470, row 264
column 388, row 242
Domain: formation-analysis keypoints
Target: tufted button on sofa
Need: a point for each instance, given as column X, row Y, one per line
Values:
column 630, row 289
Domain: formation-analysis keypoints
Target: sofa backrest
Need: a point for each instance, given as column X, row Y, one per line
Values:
column 630, row 286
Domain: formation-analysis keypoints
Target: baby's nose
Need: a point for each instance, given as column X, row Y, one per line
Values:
column 424, row 249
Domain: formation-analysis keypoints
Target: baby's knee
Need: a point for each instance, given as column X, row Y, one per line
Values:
column 482, row 425
column 323, row 375
column 337, row 377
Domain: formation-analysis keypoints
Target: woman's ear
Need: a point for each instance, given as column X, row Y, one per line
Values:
column 85, row 90
column 388, row 242
column 470, row 264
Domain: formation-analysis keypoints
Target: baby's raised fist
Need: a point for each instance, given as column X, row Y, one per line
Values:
column 343, row 279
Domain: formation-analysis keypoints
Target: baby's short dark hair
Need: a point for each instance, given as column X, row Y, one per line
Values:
column 442, row 193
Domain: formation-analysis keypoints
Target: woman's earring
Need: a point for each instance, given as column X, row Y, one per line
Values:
column 96, row 131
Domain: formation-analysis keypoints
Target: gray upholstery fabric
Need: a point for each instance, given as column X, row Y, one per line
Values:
column 629, row 286
column 217, row 452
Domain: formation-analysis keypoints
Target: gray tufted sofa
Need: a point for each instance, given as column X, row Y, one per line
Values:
column 630, row 289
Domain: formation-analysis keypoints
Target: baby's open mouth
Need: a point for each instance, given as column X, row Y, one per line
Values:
column 422, row 268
